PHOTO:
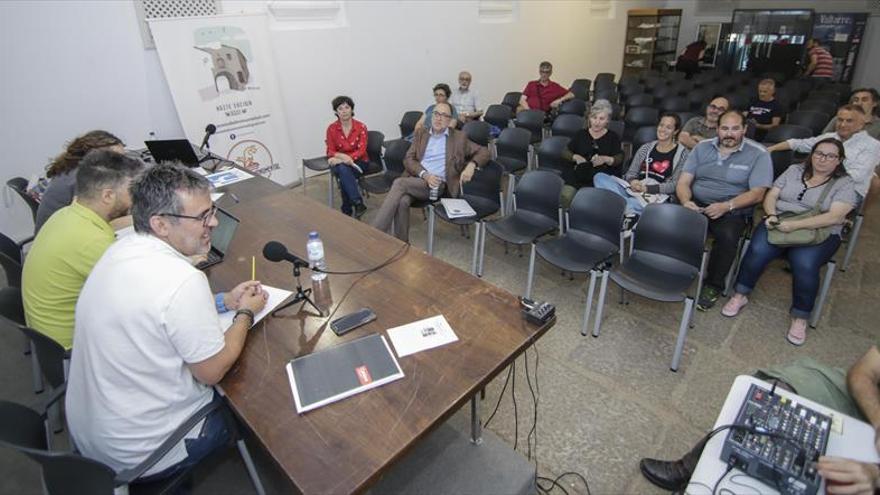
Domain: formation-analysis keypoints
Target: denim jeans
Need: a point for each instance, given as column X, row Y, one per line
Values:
column 806, row 262
column 348, row 185
column 608, row 182
column 213, row 436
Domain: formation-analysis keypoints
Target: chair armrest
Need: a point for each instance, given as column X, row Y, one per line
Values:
column 27, row 240
column 43, row 406
column 129, row 475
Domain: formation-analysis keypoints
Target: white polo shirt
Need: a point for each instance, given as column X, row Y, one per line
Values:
column 143, row 314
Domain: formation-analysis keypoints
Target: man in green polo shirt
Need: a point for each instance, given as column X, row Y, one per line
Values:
column 72, row 241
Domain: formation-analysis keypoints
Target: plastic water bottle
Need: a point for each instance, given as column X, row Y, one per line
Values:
column 315, row 248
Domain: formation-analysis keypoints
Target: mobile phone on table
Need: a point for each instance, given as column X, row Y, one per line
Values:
column 349, row 322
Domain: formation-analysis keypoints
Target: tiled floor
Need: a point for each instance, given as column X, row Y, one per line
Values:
column 604, row 402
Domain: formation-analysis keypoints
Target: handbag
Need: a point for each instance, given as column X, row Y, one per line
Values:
column 802, row 237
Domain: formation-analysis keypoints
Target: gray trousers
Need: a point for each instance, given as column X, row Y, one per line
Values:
column 395, row 208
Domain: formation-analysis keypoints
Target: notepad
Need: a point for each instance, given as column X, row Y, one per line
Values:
column 276, row 297
column 457, row 208
column 341, row 371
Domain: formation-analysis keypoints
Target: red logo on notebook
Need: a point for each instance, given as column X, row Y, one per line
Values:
column 363, row 375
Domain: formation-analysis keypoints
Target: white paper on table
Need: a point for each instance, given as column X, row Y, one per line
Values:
column 216, row 196
column 227, row 177
column 276, row 297
column 421, row 335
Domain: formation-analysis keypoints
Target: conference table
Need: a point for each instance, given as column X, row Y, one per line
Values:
column 347, row 446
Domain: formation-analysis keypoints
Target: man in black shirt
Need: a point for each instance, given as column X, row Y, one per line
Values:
column 765, row 112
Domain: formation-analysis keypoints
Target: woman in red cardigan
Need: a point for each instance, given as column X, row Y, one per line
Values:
column 347, row 154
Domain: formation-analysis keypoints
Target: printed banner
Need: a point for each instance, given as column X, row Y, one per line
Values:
column 220, row 71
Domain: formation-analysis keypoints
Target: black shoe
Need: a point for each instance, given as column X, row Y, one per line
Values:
column 359, row 210
column 708, row 297
column 669, row 475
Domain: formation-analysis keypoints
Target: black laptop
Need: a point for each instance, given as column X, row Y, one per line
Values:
column 169, row 150
column 221, row 238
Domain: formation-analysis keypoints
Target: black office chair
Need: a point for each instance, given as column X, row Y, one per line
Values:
column 512, row 153
column 592, row 238
column 477, row 132
column 532, row 121
column 408, row 123
column 68, row 473
column 821, row 106
column 638, row 117
column 567, row 125
column 685, row 116
column 781, row 161
column 784, row 132
column 580, row 88
column 651, row 81
column 738, row 101
column 553, row 154
column 19, row 185
column 627, row 92
column 668, row 254
column 609, row 94
column 11, row 260
column 574, row 106
column 682, row 88
column 826, row 95
column 603, row 80
column 640, row 100
column 375, row 139
column 381, row 183
column 660, row 93
column 627, row 81
column 483, row 194
column 617, row 127
column 643, row 135
column 675, row 104
column 318, row 164
column 815, row 121
column 511, row 100
column 536, row 211
column 498, row 115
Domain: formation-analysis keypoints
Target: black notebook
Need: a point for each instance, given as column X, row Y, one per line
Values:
column 347, row 369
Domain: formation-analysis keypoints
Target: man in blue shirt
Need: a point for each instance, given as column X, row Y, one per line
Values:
column 723, row 178
column 440, row 157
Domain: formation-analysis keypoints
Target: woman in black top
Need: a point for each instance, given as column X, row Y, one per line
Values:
column 596, row 149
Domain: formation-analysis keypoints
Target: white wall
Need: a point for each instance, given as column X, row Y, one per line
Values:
column 71, row 67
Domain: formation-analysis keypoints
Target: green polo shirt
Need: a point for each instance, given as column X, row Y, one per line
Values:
column 56, row 267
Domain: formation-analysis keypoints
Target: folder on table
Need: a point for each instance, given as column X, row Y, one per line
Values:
column 347, row 369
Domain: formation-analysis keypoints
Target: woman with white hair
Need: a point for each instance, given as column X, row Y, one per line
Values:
column 595, row 149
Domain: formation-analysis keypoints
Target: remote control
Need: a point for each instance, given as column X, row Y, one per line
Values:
column 349, row 322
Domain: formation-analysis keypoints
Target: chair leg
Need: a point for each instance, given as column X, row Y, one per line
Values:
column 531, row 272
column 431, row 230
column 851, row 243
column 482, row 249
column 682, row 332
column 35, row 370
column 561, row 224
column 249, row 465
column 823, row 293
column 700, row 282
column 303, row 167
column 475, row 254
column 330, row 189
column 511, row 184
column 603, row 288
column 501, row 203
column 591, row 288
column 465, row 231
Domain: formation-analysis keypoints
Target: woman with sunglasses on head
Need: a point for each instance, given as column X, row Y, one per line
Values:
column 798, row 190
column 441, row 95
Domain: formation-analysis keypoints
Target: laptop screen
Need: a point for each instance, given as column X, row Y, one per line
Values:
column 222, row 234
column 169, row 150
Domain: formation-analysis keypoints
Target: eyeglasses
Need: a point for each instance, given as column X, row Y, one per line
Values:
column 464, row 79
column 716, row 107
column 205, row 217
column 546, row 71
column 826, row 156
column 442, row 115
column 440, row 94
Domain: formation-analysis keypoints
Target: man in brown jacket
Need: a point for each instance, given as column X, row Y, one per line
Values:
column 440, row 157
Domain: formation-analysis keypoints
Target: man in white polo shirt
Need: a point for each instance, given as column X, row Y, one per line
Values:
column 148, row 344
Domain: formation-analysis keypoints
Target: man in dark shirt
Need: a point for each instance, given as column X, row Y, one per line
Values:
column 543, row 94
column 765, row 112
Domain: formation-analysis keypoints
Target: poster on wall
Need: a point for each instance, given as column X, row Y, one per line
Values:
column 220, row 71
column 841, row 34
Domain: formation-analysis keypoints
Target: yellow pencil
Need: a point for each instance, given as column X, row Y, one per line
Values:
column 253, row 267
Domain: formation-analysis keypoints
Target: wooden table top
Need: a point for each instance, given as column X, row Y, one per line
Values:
column 346, row 446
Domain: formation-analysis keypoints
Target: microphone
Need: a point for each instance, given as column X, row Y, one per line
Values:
column 275, row 251
column 209, row 130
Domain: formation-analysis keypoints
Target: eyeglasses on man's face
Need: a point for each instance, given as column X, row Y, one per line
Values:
column 205, row 217
column 441, row 115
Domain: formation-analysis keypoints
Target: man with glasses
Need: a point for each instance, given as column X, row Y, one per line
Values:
column 544, row 94
column 702, row 128
column 723, row 178
column 464, row 99
column 441, row 158
column 148, row 344
column 862, row 151
column 72, row 240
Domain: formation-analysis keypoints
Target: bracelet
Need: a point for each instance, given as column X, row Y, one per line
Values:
column 246, row 312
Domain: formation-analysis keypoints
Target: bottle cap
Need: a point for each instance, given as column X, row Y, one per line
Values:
column 313, row 234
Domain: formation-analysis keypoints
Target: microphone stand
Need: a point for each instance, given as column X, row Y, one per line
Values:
column 302, row 295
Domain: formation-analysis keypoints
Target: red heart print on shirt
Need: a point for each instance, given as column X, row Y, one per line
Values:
column 660, row 167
